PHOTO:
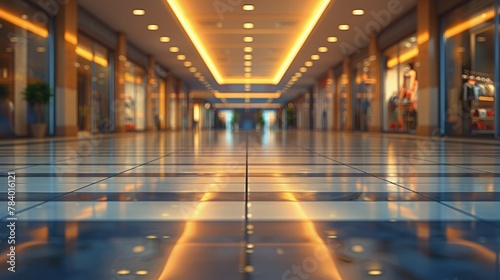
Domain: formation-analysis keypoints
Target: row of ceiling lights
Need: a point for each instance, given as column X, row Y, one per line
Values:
column 175, row 50
column 247, row 50
column 322, row 49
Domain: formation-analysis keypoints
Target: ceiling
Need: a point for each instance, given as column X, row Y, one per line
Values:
column 210, row 38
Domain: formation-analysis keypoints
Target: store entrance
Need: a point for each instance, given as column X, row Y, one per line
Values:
column 83, row 102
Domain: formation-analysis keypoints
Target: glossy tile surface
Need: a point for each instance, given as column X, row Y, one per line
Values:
column 252, row 205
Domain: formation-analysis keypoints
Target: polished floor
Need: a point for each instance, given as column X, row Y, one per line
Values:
column 252, row 205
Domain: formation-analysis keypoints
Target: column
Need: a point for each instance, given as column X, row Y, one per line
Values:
column 311, row 100
column 428, row 68
column 375, row 124
column 20, row 82
column 120, row 71
column 179, row 104
column 347, row 78
column 190, row 110
column 66, row 73
column 151, row 94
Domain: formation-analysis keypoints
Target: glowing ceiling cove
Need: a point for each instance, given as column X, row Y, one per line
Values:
column 179, row 8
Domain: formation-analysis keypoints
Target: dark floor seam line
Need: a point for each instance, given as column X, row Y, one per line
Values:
column 41, row 164
column 408, row 189
column 86, row 186
column 457, row 166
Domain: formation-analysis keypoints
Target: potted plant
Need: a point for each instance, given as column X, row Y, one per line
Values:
column 37, row 95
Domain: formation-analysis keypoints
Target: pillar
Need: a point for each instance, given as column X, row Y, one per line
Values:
column 428, row 67
column 347, row 79
column 66, row 73
column 172, row 103
column 120, row 71
column 375, row 124
column 151, row 94
column 311, row 111
column 20, row 82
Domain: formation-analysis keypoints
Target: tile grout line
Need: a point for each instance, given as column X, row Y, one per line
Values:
column 408, row 189
column 86, row 186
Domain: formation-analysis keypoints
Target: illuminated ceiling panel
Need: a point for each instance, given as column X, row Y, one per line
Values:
column 279, row 32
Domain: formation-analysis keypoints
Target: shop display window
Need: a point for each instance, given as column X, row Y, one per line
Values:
column 364, row 86
column 24, row 59
column 135, row 97
column 93, row 68
column 468, row 36
column 401, row 86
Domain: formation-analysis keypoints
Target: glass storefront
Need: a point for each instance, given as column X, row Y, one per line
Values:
column 94, row 85
column 342, row 83
column 324, row 104
column 363, row 89
column 400, row 99
column 468, row 35
column 135, row 97
column 24, row 60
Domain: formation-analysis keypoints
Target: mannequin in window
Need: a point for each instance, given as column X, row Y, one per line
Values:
column 469, row 101
column 408, row 97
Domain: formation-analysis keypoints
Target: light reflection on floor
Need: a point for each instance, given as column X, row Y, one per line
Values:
column 320, row 206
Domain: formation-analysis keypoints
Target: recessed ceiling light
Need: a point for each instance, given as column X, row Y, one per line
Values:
column 197, row 74
column 164, row 39
column 248, row 39
column 248, row 69
column 358, row 12
column 174, row 49
column 181, row 57
column 248, row 56
column 248, row 75
column 332, row 39
column 315, row 57
column 298, row 74
column 344, row 27
column 248, row 25
column 322, row 49
column 308, row 64
column 40, row 49
column 248, row 7
column 153, row 27
column 375, row 272
column 138, row 12
column 248, row 49
column 248, row 63
column 408, row 44
column 193, row 69
column 413, row 39
column 123, row 272
column 141, row 272
column 303, row 69
column 188, row 63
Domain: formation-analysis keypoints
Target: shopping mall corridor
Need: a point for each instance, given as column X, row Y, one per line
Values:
column 217, row 205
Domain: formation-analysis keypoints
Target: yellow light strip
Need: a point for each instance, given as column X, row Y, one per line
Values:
column 243, row 95
column 402, row 58
column 465, row 25
column 247, row 105
column 89, row 56
column 84, row 53
column 183, row 19
column 196, row 40
column 300, row 42
column 43, row 32
column 70, row 38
